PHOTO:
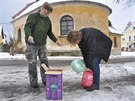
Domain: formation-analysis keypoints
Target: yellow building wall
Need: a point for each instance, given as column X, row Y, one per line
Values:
column 116, row 50
column 84, row 14
column 0, row 40
column 19, row 24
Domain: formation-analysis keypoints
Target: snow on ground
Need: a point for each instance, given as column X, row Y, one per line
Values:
column 117, row 83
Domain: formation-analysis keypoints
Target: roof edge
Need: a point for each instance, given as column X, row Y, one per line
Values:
column 61, row 2
column 89, row 2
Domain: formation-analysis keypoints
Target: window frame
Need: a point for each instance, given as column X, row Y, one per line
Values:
column 66, row 24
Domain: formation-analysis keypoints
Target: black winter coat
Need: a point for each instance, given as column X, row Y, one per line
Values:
column 94, row 43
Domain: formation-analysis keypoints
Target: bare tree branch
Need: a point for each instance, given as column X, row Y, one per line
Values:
column 127, row 3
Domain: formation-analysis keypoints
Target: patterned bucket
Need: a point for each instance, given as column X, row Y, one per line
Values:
column 54, row 84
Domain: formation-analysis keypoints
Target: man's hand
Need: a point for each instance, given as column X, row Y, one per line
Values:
column 59, row 43
column 30, row 39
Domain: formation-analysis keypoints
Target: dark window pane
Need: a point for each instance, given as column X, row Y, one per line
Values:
column 19, row 35
column 70, row 23
column 64, row 23
column 64, row 28
column 70, row 27
column 115, row 42
column 64, row 32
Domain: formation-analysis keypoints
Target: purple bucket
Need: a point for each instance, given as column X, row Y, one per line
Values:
column 54, row 84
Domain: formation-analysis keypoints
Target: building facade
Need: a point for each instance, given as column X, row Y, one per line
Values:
column 128, row 38
column 116, row 38
column 67, row 15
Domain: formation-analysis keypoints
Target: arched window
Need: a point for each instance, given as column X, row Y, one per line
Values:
column 115, row 41
column 19, row 35
column 66, row 24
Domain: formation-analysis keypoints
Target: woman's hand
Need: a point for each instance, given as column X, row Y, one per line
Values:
column 86, row 69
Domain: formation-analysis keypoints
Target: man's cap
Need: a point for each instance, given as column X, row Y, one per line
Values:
column 48, row 6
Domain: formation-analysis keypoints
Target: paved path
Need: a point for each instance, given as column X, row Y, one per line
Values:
column 61, row 62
